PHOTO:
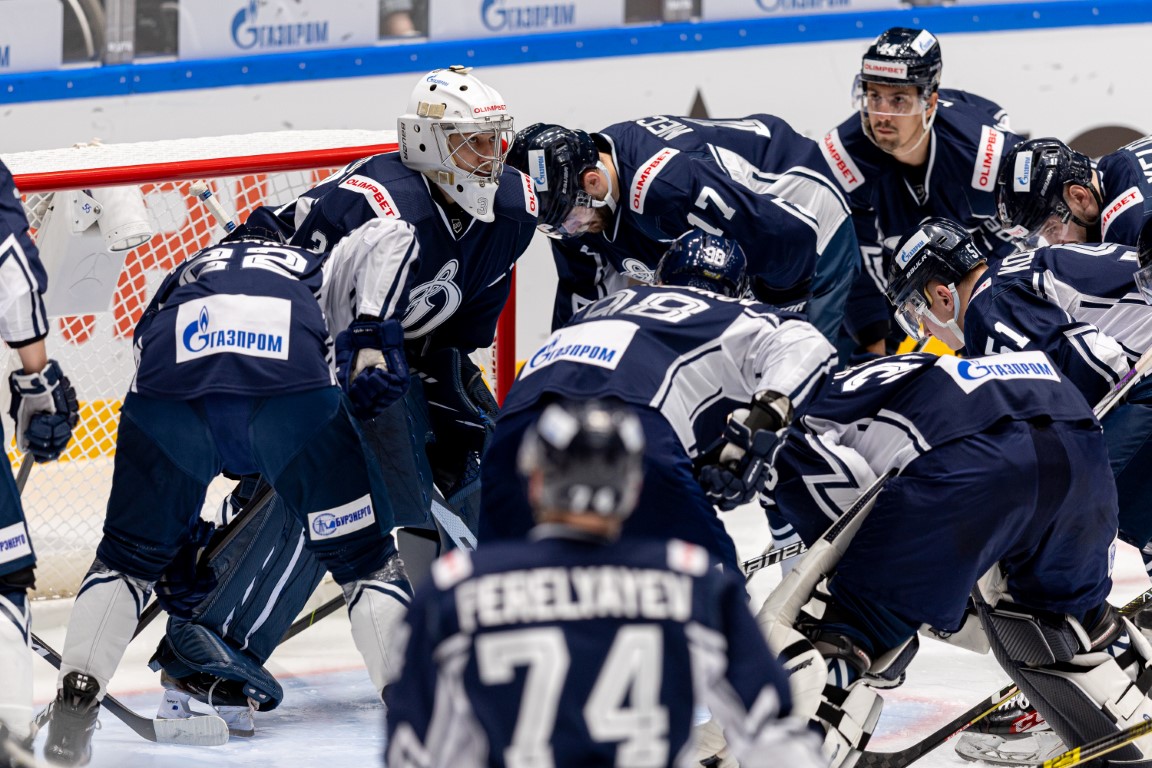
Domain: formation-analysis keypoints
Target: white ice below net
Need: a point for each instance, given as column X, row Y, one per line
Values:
column 330, row 716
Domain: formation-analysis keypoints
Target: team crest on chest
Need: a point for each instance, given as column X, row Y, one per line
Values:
column 430, row 304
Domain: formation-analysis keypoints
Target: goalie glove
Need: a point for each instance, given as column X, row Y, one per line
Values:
column 745, row 465
column 45, row 410
column 370, row 365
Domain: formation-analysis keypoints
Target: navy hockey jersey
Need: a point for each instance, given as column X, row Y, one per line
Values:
column 1126, row 188
column 679, row 173
column 1078, row 303
column 449, row 286
column 569, row 652
column 760, row 152
column 692, row 355
column 239, row 318
column 23, row 280
column 896, row 408
column 967, row 143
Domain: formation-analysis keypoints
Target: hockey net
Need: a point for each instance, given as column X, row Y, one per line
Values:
column 91, row 335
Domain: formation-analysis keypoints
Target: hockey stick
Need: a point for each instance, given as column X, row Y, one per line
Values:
column 200, row 731
column 22, row 474
column 1120, row 391
column 772, row 557
column 304, row 622
column 231, row 531
column 966, row 719
column 202, row 192
column 958, row 724
column 1100, row 746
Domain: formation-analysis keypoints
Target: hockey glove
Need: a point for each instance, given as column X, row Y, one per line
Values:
column 745, row 465
column 45, row 410
column 370, row 365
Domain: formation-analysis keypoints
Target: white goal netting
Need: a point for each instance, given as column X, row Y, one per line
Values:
column 82, row 200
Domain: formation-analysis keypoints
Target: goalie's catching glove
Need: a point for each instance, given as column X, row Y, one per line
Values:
column 45, row 410
column 370, row 365
column 745, row 465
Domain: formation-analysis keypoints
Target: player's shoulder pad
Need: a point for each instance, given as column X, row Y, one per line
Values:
column 516, row 197
column 451, row 569
column 390, row 189
column 688, row 558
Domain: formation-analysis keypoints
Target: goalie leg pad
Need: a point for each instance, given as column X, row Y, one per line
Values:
column 1097, row 682
column 212, row 671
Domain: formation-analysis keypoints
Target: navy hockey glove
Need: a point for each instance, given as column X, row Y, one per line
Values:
column 745, row 465
column 370, row 365
column 45, row 410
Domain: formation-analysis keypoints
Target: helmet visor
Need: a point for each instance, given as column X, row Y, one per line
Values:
column 1144, row 282
column 578, row 221
column 477, row 148
column 910, row 315
column 896, row 104
column 1054, row 230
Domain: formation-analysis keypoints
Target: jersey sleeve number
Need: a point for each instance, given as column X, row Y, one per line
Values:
column 623, row 706
column 710, row 196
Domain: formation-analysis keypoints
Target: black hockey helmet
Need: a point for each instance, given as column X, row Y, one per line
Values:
column 590, row 456
column 555, row 158
column 1031, row 184
column 904, row 56
column 701, row 260
column 938, row 249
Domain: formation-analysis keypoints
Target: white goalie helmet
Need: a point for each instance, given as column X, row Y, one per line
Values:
column 457, row 131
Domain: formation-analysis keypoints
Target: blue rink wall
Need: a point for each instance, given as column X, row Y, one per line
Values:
column 1063, row 68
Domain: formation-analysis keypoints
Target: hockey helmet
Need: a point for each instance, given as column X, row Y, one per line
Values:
column 556, row 159
column 702, row 260
column 1030, row 189
column 903, row 56
column 589, row 455
column 936, row 250
column 457, row 131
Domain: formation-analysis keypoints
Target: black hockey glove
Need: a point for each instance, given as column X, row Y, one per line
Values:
column 370, row 365
column 45, row 410
column 745, row 465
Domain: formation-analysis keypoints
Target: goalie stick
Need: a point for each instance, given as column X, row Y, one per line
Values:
column 969, row 718
column 200, row 731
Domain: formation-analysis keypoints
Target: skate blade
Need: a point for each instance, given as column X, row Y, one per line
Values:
column 1030, row 749
column 200, row 731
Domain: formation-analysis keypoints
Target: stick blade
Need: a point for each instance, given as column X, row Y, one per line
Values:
column 199, row 731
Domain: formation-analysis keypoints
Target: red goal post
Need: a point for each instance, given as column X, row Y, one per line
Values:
column 96, row 295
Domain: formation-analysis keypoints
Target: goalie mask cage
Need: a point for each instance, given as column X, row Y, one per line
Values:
column 64, row 501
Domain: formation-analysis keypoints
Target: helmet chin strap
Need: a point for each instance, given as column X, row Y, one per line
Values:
column 952, row 324
column 609, row 199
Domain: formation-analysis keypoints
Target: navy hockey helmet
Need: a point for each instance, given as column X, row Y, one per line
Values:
column 556, row 159
column 701, row 260
column 903, row 56
column 936, row 250
column 1031, row 184
column 589, row 455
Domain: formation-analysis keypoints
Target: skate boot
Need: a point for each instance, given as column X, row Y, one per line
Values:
column 72, row 721
column 1015, row 734
column 175, row 704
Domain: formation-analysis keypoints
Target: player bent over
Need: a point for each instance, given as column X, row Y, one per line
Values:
column 232, row 375
column 44, row 410
column 578, row 648
column 1001, row 469
column 688, row 353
